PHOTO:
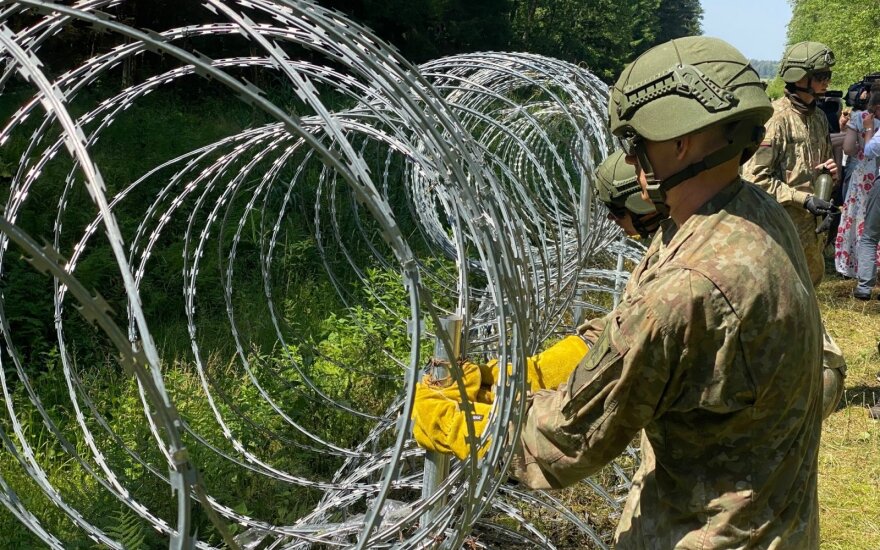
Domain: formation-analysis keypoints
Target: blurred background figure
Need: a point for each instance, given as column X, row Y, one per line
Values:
column 862, row 172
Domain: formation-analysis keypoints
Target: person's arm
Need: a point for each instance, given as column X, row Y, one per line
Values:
column 626, row 381
column 851, row 142
column 765, row 167
column 872, row 143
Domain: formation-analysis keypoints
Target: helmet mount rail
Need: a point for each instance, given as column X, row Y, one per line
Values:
column 683, row 80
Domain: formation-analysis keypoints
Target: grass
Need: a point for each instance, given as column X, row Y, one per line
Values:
column 849, row 457
column 849, row 460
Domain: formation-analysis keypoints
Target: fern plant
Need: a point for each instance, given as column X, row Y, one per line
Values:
column 127, row 529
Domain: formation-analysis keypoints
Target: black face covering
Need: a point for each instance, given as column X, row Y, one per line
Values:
column 798, row 103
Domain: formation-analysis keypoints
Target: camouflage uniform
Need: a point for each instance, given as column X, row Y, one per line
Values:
column 697, row 355
column 783, row 166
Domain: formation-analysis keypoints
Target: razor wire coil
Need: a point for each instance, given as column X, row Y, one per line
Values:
column 464, row 184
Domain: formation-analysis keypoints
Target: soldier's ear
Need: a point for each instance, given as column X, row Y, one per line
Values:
column 682, row 147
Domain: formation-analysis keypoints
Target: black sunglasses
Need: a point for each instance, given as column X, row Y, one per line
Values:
column 822, row 75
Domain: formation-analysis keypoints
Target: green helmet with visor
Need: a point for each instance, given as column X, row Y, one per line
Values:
column 685, row 86
column 617, row 186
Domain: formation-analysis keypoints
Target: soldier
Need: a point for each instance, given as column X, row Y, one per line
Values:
column 698, row 355
column 795, row 150
column 617, row 187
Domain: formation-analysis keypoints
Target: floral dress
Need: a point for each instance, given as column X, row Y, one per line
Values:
column 853, row 210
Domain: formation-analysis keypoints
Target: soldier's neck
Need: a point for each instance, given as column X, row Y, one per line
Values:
column 687, row 197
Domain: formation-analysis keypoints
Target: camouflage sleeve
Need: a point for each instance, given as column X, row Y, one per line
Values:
column 621, row 385
column 765, row 168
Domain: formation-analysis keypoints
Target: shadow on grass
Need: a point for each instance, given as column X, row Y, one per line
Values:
column 860, row 396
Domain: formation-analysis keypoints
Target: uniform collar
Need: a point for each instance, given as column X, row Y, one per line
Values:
column 671, row 236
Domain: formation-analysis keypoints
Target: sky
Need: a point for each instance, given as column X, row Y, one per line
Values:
column 757, row 28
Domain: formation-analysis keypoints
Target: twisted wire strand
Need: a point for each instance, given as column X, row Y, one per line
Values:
column 463, row 186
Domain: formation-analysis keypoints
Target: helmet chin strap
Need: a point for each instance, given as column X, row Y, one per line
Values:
column 647, row 224
column 808, row 90
column 656, row 187
column 738, row 139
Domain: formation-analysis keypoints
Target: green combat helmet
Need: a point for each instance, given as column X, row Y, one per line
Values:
column 617, row 186
column 804, row 59
column 684, row 86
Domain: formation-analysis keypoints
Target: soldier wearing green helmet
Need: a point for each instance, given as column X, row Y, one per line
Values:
column 797, row 147
column 795, row 150
column 698, row 357
column 617, row 187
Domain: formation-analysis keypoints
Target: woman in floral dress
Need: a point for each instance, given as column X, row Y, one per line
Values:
column 864, row 173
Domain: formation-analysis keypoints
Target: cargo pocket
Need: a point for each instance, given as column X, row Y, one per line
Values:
column 593, row 381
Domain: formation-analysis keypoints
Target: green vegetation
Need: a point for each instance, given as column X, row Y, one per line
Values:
column 350, row 354
column 849, row 457
column 346, row 351
column 603, row 34
column 350, row 363
column 775, row 88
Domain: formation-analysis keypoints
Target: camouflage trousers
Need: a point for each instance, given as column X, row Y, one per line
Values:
column 806, row 224
column 832, row 357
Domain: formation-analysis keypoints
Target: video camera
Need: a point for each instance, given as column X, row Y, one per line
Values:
column 857, row 94
column 831, row 104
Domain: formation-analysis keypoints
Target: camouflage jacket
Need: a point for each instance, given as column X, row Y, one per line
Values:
column 793, row 145
column 700, row 354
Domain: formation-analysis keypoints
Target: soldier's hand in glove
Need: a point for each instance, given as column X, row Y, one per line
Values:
column 548, row 369
column 439, row 413
column 819, row 207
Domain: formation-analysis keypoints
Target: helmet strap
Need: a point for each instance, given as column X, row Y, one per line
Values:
column 647, row 224
column 655, row 187
column 744, row 133
column 792, row 87
column 810, row 89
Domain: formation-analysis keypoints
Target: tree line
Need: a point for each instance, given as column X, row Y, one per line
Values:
column 602, row 34
column 766, row 69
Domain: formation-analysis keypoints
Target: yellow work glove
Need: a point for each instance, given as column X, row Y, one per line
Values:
column 439, row 423
column 548, row 369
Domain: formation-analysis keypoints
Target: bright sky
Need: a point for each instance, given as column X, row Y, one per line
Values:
column 756, row 27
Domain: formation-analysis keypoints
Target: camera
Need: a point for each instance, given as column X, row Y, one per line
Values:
column 857, row 94
column 831, row 104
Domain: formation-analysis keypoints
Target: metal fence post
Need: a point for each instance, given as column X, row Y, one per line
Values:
column 437, row 464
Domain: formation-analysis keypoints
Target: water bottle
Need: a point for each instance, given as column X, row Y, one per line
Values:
column 822, row 185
